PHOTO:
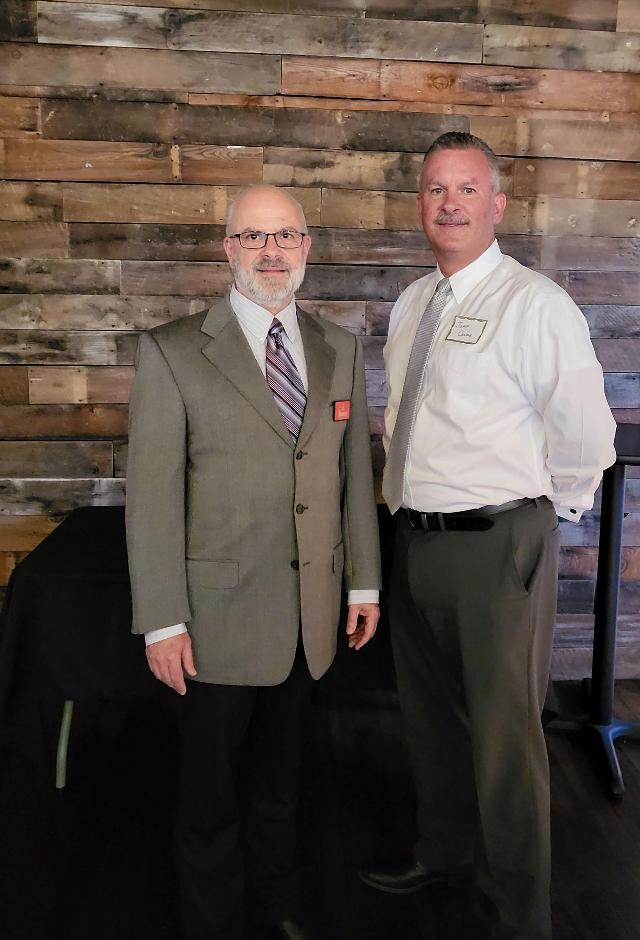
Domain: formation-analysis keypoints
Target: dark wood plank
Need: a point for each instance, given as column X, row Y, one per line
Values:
column 623, row 391
column 618, row 355
column 30, row 202
column 612, row 320
column 67, row 459
column 587, row 532
column 92, row 311
column 19, row 117
column 594, row 287
column 247, row 127
column 40, row 497
column 108, row 70
column 24, row 276
column 583, row 562
column 18, row 21
column 592, row 14
column 576, row 597
column 23, row 533
column 582, row 253
column 334, row 7
column 14, row 385
column 60, row 422
column 144, row 242
column 540, row 47
column 58, row 347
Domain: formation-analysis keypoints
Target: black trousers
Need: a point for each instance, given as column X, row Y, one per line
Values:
column 472, row 618
column 237, row 800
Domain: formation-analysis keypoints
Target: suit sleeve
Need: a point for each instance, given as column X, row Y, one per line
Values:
column 155, row 510
column 359, row 516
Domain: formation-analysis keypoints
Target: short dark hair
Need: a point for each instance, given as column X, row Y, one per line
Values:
column 460, row 140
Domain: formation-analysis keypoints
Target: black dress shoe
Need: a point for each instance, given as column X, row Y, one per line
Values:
column 408, row 876
column 285, row 930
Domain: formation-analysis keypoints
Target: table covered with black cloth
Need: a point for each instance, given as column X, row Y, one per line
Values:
column 65, row 626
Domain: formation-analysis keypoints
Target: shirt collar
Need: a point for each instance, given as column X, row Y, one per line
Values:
column 257, row 320
column 463, row 281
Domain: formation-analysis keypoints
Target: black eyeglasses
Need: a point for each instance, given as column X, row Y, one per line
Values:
column 285, row 238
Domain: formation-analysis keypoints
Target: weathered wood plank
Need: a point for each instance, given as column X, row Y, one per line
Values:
column 56, row 459
column 334, row 7
column 30, row 202
column 587, row 532
column 120, row 450
column 628, row 16
column 112, row 69
column 618, row 355
column 553, row 137
column 25, row 276
column 541, row 47
column 147, row 242
column 612, row 319
column 92, row 312
column 65, row 347
column 14, row 385
column 8, row 561
column 577, row 596
column 88, row 160
column 19, row 117
column 26, row 497
column 588, row 14
column 349, row 314
column 146, row 202
column 593, row 287
column 154, row 28
column 186, row 278
column 248, row 127
column 623, row 391
column 233, row 166
column 23, row 533
column 60, row 422
column 583, row 563
column 617, row 217
column 579, row 178
column 581, row 253
column 34, row 239
column 461, row 84
column 79, row 384
column 18, row 20
column 288, row 166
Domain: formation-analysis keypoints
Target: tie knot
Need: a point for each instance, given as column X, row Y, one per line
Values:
column 442, row 287
column 276, row 330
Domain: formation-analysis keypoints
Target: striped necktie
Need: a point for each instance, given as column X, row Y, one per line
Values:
column 393, row 482
column 284, row 380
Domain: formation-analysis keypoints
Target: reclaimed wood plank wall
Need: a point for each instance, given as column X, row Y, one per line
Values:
column 127, row 125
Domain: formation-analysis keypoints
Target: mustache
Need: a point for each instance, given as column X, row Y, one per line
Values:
column 271, row 263
column 447, row 218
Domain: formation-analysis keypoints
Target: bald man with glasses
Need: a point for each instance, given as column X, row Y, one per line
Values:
column 249, row 507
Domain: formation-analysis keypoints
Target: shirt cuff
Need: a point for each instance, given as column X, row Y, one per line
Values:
column 363, row 597
column 569, row 513
column 154, row 636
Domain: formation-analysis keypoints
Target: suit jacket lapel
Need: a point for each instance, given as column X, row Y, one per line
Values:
column 228, row 350
column 320, row 358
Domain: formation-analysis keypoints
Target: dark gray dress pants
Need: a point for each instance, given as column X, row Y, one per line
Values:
column 472, row 619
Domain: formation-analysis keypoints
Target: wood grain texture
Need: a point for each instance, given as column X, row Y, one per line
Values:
column 66, row 347
column 19, row 117
column 246, row 127
column 593, row 217
column 25, row 497
column 30, row 202
column 623, row 390
column 34, row 239
column 79, row 384
column 14, row 385
column 105, row 70
column 64, row 421
column 23, row 533
column 575, row 178
column 345, row 169
column 25, row 276
column 553, row 137
column 588, row 14
column 541, row 47
column 87, row 160
column 628, row 16
column 333, row 7
column 18, row 20
column 612, row 320
column 592, row 287
column 618, row 355
column 580, row 253
column 92, row 311
column 56, row 459
column 86, row 24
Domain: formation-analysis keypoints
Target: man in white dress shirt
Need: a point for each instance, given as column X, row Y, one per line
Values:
column 500, row 428
column 249, row 496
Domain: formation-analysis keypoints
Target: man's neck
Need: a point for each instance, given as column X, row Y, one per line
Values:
column 274, row 309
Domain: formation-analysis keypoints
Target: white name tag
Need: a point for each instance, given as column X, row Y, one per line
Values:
column 466, row 330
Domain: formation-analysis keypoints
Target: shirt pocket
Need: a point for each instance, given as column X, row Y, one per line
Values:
column 464, row 378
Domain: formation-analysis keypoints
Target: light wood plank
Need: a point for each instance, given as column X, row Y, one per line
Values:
column 30, row 202
column 23, row 533
column 55, row 459
column 92, row 312
column 102, row 70
column 112, row 202
column 25, row 276
column 289, row 166
column 541, row 47
column 19, row 117
column 551, row 137
column 580, row 253
column 619, row 217
column 575, row 178
column 53, row 422
column 233, row 166
column 34, row 239
column 26, row 497
column 593, row 287
column 628, row 16
column 87, row 160
column 14, row 385
column 89, row 24
column 583, row 563
column 79, row 384
column 348, row 314
column 247, row 127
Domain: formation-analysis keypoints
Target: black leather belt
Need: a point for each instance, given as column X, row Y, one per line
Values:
column 469, row 520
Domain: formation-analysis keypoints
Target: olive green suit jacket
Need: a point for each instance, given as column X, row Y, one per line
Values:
column 230, row 527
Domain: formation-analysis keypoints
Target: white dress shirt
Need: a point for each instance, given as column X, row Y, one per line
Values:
column 513, row 401
column 256, row 322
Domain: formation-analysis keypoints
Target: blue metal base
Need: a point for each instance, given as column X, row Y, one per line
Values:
column 606, row 736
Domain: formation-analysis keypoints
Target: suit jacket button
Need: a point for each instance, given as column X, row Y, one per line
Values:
column 299, row 455
column 295, row 564
column 300, row 508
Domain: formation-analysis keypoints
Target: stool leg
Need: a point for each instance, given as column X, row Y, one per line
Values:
column 63, row 745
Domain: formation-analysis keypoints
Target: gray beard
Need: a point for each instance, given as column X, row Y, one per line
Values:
column 265, row 294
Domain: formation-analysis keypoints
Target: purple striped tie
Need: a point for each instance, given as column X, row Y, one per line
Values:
column 284, row 380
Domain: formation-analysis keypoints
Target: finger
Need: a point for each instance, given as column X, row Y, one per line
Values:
column 175, row 678
column 352, row 618
column 187, row 661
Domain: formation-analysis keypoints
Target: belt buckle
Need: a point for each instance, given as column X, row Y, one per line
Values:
column 432, row 521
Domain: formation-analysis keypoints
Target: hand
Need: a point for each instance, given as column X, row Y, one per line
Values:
column 169, row 660
column 362, row 621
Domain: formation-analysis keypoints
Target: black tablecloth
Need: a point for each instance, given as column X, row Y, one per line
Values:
column 65, row 625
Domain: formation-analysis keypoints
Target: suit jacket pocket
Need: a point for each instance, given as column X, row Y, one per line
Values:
column 213, row 574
